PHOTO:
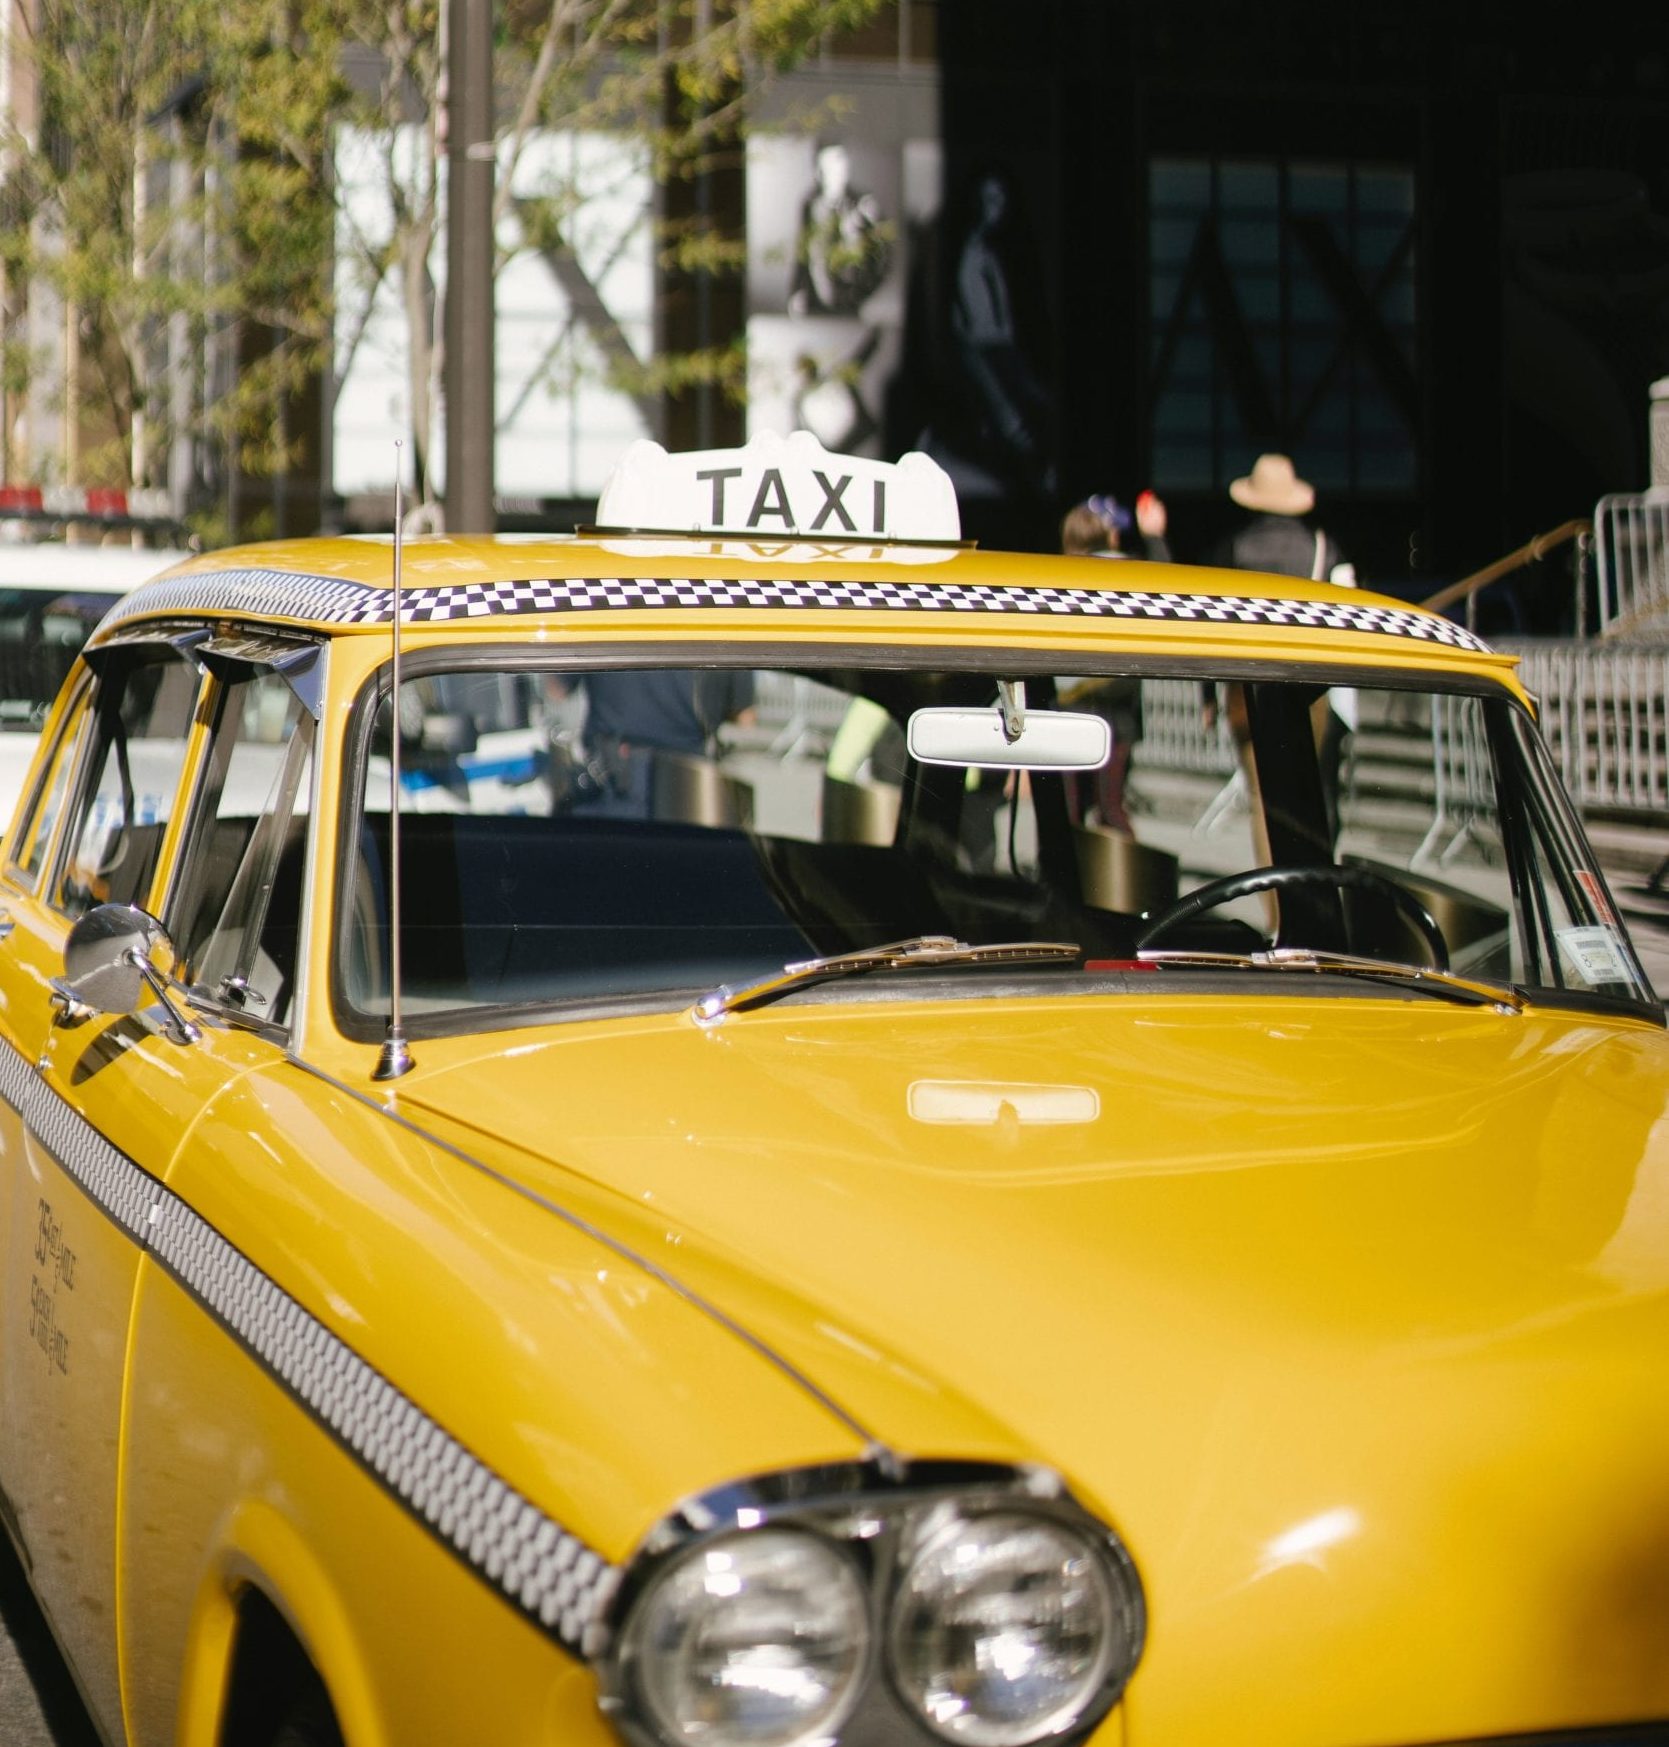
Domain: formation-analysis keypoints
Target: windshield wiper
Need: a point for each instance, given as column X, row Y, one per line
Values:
column 925, row 952
column 1303, row 958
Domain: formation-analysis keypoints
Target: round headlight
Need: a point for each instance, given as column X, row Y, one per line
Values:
column 1009, row 1628
column 752, row 1640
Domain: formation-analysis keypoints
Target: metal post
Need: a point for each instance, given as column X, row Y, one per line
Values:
column 469, row 268
column 394, row 1058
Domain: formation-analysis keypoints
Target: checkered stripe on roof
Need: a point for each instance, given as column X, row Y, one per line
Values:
column 274, row 594
column 538, row 1566
column 333, row 601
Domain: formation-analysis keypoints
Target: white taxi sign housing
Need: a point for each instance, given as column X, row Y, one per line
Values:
column 780, row 486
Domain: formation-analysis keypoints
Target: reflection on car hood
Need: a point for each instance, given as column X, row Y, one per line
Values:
column 1352, row 1315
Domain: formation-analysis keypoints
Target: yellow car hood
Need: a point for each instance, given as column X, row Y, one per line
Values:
column 1351, row 1314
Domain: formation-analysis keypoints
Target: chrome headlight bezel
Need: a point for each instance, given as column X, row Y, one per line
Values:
column 956, row 1545
column 881, row 1514
column 800, row 1672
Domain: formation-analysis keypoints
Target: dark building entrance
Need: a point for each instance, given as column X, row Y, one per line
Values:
column 1422, row 249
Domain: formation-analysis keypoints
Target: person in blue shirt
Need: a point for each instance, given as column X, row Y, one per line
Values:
column 633, row 713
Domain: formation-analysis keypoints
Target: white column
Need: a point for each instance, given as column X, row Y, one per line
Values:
column 1660, row 434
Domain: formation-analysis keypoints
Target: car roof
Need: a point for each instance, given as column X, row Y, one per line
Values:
column 65, row 567
column 520, row 585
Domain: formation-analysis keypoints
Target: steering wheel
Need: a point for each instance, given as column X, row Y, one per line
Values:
column 1280, row 879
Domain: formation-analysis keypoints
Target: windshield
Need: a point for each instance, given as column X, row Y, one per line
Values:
column 598, row 837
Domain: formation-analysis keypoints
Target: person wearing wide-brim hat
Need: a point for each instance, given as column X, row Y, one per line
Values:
column 1276, row 538
column 1273, row 486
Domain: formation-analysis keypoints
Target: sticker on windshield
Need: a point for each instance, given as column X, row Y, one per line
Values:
column 1596, row 896
column 1595, row 955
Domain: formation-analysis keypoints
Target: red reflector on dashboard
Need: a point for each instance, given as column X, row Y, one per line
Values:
column 1118, row 964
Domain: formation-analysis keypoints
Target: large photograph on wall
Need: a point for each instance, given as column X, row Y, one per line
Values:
column 979, row 364
column 830, row 226
column 891, row 310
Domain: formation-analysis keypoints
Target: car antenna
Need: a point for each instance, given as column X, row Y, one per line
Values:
column 394, row 1059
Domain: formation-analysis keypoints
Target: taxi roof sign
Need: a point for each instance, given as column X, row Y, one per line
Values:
column 780, row 486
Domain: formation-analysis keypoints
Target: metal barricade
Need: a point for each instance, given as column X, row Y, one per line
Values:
column 1174, row 734
column 1463, row 798
column 797, row 714
column 1631, row 547
column 1604, row 712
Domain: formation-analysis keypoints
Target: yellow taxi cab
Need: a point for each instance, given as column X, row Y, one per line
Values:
column 603, row 1142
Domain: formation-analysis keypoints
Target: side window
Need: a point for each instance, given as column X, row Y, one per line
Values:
column 142, row 716
column 47, row 802
column 238, row 921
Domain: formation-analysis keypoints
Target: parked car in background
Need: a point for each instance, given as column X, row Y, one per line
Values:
column 631, row 1168
column 52, row 593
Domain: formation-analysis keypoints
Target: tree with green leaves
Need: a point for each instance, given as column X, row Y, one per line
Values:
column 164, row 235
column 679, row 79
column 169, row 214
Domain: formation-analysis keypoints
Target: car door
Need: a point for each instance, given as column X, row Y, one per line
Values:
column 76, row 1198
column 173, row 780
column 24, row 963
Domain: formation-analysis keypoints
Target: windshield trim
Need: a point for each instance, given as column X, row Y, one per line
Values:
column 1028, row 660
column 1232, row 984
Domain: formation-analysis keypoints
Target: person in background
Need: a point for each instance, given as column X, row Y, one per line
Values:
column 1097, row 526
column 845, row 245
column 1005, row 402
column 1095, row 529
column 631, row 715
column 870, row 747
column 1275, row 537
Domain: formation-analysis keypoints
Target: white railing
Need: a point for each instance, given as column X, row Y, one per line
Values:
column 796, row 713
column 1604, row 712
column 1603, row 709
column 1463, row 788
column 1631, row 548
column 1174, row 732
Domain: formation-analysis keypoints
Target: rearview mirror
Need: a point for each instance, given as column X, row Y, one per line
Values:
column 1042, row 740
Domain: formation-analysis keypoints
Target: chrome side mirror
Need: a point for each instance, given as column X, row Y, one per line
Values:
column 107, row 965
